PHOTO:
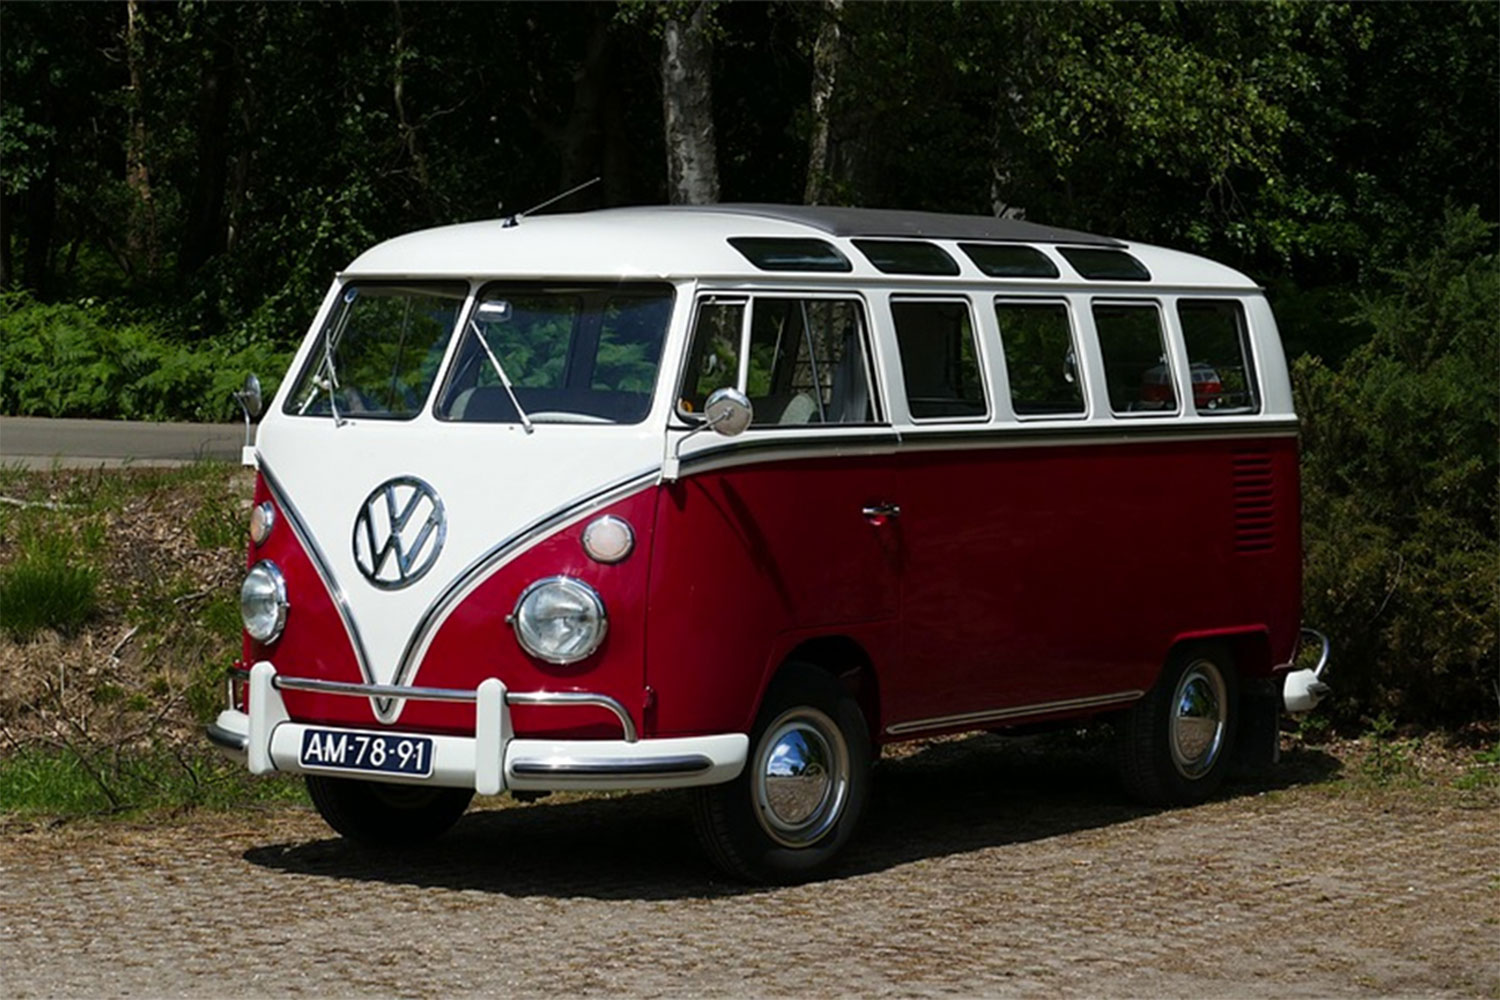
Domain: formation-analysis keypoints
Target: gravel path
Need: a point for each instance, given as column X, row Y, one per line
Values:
column 982, row 871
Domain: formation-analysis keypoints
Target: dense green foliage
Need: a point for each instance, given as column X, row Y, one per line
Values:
column 1400, row 477
column 181, row 181
column 80, row 360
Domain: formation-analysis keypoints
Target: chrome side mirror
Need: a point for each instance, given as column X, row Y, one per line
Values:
column 251, row 403
column 728, row 411
column 249, row 397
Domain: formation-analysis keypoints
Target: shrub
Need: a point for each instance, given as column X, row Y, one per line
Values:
column 82, row 360
column 1399, row 486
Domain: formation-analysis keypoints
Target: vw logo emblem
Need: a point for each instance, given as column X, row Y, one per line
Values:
column 399, row 532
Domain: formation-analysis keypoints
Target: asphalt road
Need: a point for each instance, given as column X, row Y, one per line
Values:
column 41, row 443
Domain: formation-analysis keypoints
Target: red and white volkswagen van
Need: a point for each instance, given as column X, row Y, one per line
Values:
column 731, row 496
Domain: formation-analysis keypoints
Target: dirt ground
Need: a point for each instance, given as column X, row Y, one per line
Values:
column 983, row 869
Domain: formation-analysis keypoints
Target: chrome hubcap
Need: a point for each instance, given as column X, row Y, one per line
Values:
column 1200, row 710
column 801, row 777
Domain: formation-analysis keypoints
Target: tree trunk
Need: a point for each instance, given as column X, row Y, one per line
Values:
column 8, row 207
column 409, row 138
column 579, row 139
column 687, row 105
column 142, row 230
column 41, row 216
column 204, row 231
column 1004, row 127
column 827, row 54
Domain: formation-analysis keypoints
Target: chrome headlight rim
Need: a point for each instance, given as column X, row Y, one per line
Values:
column 262, row 522
column 575, row 586
column 270, row 571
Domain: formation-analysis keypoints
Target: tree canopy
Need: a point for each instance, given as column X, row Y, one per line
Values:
column 178, row 182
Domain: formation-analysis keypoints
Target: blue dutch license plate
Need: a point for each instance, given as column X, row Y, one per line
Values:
column 388, row 753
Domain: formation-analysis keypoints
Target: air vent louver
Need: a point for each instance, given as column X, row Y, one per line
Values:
column 1254, row 502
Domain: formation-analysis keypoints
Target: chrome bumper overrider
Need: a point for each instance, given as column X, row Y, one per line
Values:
column 491, row 760
column 1301, row 690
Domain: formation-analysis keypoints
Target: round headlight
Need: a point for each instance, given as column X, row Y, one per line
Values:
column 263, row 603
column 559, row 620
column 262, row 520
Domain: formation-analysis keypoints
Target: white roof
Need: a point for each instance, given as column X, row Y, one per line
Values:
column 669, row 242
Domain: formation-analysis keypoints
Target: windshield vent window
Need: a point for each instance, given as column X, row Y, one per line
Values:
column 1105, row 265
column 907, row 257
column 1009, row 260
column 790, row 254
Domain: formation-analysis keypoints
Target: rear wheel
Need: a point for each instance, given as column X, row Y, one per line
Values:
column 386, row 815
column 804, row 786
column 1176, row 741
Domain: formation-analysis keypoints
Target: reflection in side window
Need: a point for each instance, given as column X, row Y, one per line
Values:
column 939, row 359
column 1136, row 368
column 1219, row 351
column 577, row 354
column 379, row 353
column 714, row 361
column 1040, row 359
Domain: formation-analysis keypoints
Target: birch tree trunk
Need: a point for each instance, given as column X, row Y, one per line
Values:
column 687, row 105
column 141, row 237
column 827, row 54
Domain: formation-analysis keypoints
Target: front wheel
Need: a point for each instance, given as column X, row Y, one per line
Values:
column 386, row 815
column 803, row 788
column 1176, row 741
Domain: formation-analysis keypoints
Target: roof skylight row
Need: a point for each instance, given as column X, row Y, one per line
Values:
column 918, row 257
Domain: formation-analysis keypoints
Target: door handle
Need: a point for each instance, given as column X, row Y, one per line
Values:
column 879, row 513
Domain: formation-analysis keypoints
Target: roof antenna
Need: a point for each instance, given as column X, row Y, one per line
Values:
column 513, row 220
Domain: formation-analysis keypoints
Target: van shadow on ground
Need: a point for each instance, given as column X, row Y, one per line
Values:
column 948, row 798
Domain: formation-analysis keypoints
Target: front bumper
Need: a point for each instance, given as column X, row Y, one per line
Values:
column 493, row 759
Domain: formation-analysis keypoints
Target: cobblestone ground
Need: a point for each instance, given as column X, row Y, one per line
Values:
column 981, row 871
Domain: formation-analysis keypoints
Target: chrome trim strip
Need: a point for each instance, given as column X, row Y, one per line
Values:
column 562, row 698
column 325, row 573
column 479, row 569
column 318, row 686
column 988, row 436
column 608, row 767
column 1000, row 714
column 227, row 740
column 545, row 699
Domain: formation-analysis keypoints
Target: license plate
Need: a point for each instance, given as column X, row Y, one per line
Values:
column 377, row 753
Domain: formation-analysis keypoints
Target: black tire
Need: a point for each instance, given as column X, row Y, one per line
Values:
column 765, row 827
column 1176, row 743
column 386, row 815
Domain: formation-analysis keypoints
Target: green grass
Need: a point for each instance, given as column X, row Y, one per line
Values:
column 60, row 783
column 48, row 586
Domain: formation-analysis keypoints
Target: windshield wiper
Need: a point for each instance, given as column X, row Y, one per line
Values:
column 504, row 379
column 327, row 376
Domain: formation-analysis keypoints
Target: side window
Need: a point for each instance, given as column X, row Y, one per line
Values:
column 807, row 363
column 1218, row 346
column 1137, row 370
column 1041, row 358
column 939, row 359
column 714, row 360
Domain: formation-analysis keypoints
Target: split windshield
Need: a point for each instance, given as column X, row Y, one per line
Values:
column 577, row 353
column 572, row 354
